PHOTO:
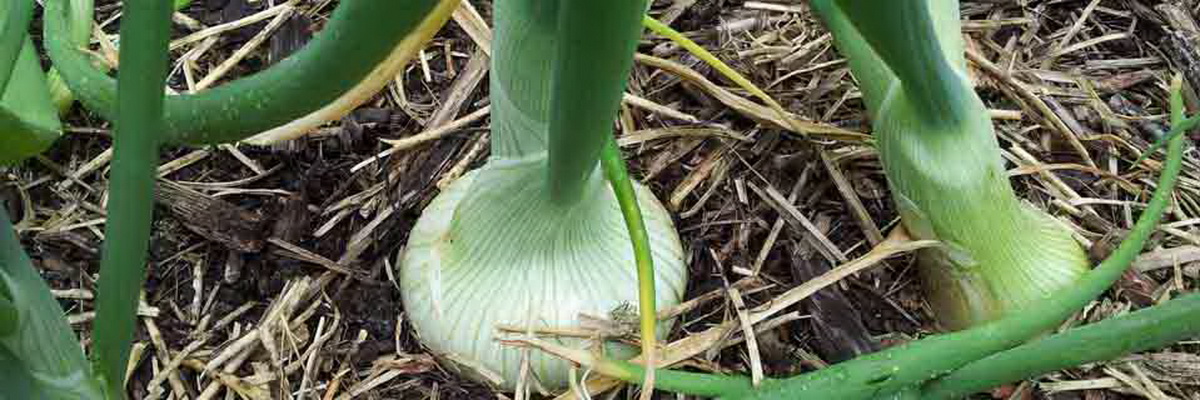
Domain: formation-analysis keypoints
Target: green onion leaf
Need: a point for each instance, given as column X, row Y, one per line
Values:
column 902, row 33
column 1146, row 329
column 28, row 121
column 40, row 357
column 360, row 34
column 28, row 124
column 145, row 32
column 596, row 43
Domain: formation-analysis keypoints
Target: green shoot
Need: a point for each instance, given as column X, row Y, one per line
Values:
column 145, row 31
column 618, row 177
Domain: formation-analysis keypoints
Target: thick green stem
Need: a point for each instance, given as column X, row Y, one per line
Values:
column 596, row 43
column 1000, row 255
column 145, row 31
column 902, row 33
column 1142, row 330
column 360, row 34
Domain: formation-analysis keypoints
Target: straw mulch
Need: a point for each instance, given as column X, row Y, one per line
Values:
column 271, row 266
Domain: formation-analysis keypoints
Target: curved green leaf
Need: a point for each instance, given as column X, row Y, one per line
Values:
column 40, row 358
column 358, row 36
column 28, row 123
column 79, row 21
column 28, row 120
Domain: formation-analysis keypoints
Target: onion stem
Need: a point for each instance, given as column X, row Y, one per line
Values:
column 595, row 49
column 145, row 33
column 618, row 177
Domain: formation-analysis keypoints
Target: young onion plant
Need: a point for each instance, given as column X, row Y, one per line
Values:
column 535, row 238
column 943, row 164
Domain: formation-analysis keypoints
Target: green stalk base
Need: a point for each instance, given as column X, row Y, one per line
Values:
column 949, row 183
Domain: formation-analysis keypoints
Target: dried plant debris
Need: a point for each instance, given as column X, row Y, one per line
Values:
column 271, row 273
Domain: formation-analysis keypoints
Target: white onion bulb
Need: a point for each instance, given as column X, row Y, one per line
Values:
column 493, row 249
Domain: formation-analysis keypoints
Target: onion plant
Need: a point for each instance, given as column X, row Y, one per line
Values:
column 534, row 238
column 943, row 164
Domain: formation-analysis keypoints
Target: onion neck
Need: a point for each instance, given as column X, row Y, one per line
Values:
column 943, row 162
column 524, row 42
column 559, row 72
column 510, row 213
column 949, row 184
